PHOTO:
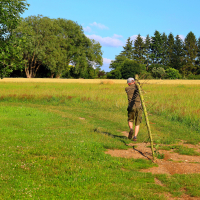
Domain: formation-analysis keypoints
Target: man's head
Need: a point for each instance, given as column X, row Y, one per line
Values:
column 130, row 81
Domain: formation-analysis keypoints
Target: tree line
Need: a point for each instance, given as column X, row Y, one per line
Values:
column 158, row 56
column 38, row 46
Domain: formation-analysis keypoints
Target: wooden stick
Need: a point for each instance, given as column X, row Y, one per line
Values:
column 145, row 114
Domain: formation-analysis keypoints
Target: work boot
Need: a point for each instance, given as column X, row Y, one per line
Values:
column 134, row 138
column 130, row 134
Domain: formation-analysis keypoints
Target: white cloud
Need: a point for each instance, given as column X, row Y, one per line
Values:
column 106, row 61
column 100, row 26
column 182, row 37
column 106, row 64
column 107, row 41
column 133, row 37
column 117, row 36
column 87, row 29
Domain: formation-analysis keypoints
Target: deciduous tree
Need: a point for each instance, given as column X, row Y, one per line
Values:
column 118, row 62
column 10, row 11
column 130, row 68
column 57, row 43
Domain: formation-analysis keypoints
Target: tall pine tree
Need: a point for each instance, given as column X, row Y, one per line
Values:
column 177, row 54
column 190, row 48
column 156, row 48
column 170, row 44
column 198, row 52
column 164, row 50
column 139, row 50
column 147, row 49
column 128, row 49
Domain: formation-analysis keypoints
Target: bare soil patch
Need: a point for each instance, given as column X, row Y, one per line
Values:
column 173, row 163
column 81, row 118
column 183, row 197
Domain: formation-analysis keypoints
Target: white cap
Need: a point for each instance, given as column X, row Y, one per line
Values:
column 130, row 80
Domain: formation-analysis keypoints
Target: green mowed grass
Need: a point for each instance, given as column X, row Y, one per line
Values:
column 53, row 145
column 52, row 154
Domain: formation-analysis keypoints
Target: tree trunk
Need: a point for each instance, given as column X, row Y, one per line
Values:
column 27, row 71
column 57, row 75
column 51, row 75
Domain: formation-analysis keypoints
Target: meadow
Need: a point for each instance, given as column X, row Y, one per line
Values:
column 54, row 135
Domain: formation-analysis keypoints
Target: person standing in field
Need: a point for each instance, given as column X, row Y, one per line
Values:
column 134, row 108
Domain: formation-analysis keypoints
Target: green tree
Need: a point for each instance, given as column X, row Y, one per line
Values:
column 170, row 44
column 128, row 49
column 156, row 48
column 57, row 43
column 95, row 60
column 172, row 73
column 190, row 47
column 198, row 56
column 139, row 50
column 177, row 58
column 95, row 54
column 10, row 11
column 118, row 62
column 164, row 56
column 11, row 57
column 39, row 44
column 158, row 72
column 116, row 66
column 130, row 68
column 114, row 74
column 80, row 51
column 9, row 19
column 147, row 50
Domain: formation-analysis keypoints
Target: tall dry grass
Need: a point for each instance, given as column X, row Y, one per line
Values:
column 176, row 101
column 102, row 81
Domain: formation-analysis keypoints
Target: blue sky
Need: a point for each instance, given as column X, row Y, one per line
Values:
column 111, row 22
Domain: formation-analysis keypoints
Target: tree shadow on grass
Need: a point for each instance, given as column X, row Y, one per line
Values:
column 121, row 138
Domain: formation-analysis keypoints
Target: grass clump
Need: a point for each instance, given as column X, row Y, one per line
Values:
column 183, row 150
column 178, row 184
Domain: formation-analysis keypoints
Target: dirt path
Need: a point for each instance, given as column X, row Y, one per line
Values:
column 173, row 163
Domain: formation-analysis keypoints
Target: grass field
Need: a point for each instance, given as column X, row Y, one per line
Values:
column 54, row 134
column 102, row 81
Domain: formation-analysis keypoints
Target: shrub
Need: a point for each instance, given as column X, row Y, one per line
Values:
column 150, row 67
column 198, row 71
column 114, row 74
column 102, row 74
column 172, row 73
column 192, row 76
column 130, row 68
column 145, row 75
column 158, row 72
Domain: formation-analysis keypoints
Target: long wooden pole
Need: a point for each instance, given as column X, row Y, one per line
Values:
column 145, row 114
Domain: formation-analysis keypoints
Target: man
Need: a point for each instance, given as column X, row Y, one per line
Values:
column 134, row 108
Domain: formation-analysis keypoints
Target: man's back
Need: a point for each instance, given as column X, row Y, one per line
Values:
column 133, row 96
